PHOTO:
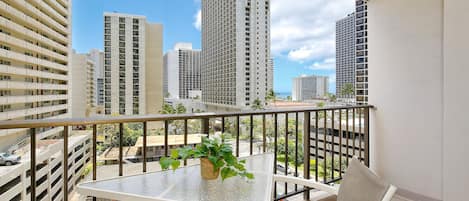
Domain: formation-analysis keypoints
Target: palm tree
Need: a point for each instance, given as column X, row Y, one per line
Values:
column 270, row 96
column 257, row 105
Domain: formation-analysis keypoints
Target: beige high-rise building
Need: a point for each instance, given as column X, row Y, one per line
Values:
column 35, row 47
column 83, row 85
column 236, row 63
column 133, row 65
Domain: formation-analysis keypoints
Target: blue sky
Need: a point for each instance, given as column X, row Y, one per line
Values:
column 302, row 33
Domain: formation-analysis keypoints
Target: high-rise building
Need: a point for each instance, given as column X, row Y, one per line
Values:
column 133, row 65
column 83, row 85
column 361, row 83
column 309, row 87
column 235, row 52
column 97, row 56
column 182, row 72
column 345, row 54
column 35, row 47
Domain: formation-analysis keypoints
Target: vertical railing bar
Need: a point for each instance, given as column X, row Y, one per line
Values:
column 251, row 134
column 306, row 150
column 32, row 162
column 347, row 135
column 222, row 124
column 264, row 137
column 186, row 133
column 275, row 150
column 94, row 154
column 237, row 136
column 353, row 131
column 360, row 134
column 332, row 142
column 166, row 130
column 340, row 143
column 296, row 148
column 367, row 136
column 286, row 150
column 325, row 146
column 145, row 134
column 121, row 153
column 316, row 158
column 65, row 164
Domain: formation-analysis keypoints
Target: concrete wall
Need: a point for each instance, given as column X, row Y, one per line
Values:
column 418, row 78
column 405, row 85
column 154, row 68
column 456, row 96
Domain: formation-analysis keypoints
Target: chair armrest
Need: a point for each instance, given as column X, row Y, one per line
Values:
column 306, row 182
column 390, row 193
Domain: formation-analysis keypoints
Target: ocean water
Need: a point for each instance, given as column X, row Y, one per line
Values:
column 283, row 95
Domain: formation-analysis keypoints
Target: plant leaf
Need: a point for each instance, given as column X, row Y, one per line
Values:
column 227, row 172
column 175, row 164
column 165, row 162
column 174, row 154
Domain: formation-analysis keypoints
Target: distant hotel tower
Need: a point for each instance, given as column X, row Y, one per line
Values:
column 345, row 54
column 182, row 72
column 236, row 64
column 133, row 65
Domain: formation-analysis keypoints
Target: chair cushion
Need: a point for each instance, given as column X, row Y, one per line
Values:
column 360, row 184
column 329, row 198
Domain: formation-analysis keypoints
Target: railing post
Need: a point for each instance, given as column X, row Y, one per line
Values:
column 205, row 126
column 121, row 152
column 264, row 137
column 367, row 136
column 251, row 134
column 237, row 136
column 166, row 130
column 144, row 146
column 306, row 150
column 65, row 164
column 32, row 162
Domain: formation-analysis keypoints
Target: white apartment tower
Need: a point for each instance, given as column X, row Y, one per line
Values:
column 35, row 50
column 361, row 84
column 345, row 54
column 309, row 87
column 182, row 72
column 236, row 62
column 97, row 56
column 133, row 65
column 83, row 85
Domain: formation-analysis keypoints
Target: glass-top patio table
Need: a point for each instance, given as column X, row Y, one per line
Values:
column 186, row 184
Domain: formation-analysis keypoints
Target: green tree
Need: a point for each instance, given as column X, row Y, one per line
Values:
column 347, row 90
column 332, row 97
column 320, row 104
column 289, row 98
column 270, row 96
column 167, row 109
column 180, row 109
column 257, row 105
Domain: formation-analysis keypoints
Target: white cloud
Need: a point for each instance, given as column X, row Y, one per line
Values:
column 305, row 30
column 198, row 20
column 326, row 64
column 332, row 78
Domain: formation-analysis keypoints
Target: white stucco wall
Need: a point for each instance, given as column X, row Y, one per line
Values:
column 456, row 99
column 405, row 85
column 418, row 79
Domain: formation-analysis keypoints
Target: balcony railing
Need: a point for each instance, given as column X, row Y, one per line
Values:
column 318, row 149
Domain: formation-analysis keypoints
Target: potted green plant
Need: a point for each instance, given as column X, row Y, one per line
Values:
column 216, row 156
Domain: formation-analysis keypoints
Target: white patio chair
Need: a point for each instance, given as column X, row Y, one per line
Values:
column 358, row 184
